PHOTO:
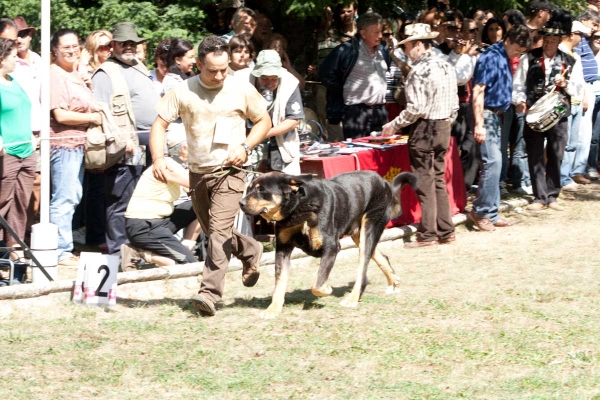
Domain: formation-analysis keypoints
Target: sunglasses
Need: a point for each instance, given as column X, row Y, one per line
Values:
column 128, row 43
column 103, row 47
column 474, row 30
column 386, row 34
column 23, row 34
column 219, row 47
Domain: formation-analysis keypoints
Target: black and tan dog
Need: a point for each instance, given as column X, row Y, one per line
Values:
column 314, row 214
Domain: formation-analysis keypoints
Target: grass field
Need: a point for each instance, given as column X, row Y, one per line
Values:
column 514, row 314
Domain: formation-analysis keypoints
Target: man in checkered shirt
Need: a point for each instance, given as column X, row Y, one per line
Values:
column 432, row 104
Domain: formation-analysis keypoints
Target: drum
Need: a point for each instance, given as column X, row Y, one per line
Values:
column 547, row 111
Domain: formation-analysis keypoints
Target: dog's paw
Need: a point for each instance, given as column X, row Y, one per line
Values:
column 271, row 312
column 392, row 289
column 349, row 303
column 323, row 291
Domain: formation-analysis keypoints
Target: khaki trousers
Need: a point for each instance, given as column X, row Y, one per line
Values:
column 216, row 202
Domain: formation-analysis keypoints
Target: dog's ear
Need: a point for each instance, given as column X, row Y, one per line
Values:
column 301, row 192
column 296, row 181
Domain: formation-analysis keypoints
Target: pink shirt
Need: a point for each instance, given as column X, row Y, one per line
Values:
column 68, row 92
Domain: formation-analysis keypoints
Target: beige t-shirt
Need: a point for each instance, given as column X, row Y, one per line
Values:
column 214, row 119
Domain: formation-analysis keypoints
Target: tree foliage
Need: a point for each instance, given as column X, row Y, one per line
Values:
column 188, row 19
column 154, row 21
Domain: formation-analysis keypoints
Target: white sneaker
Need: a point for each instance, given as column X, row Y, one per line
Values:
column 592, row 175
column 524, row 190
column 571, row 187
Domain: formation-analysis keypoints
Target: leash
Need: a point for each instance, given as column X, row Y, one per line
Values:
column 226, row 171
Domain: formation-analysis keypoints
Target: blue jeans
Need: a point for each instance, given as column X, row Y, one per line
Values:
column 487, row 202
column 520, row 167
column 66, row 171
column 592, row 163
column 507, row 119
column 566, row 167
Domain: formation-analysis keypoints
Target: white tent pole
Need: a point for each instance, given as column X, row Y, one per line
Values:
column 45, row 115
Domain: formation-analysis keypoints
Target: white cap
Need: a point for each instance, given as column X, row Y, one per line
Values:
column 579, row 27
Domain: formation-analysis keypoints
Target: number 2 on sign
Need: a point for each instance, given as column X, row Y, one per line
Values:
column 98, row 292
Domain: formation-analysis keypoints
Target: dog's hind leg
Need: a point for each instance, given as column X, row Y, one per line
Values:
column 282, row 273
column 383, row 262
column 321, row 288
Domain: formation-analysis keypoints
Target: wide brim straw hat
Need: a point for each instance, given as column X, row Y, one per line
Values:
column 418, row 32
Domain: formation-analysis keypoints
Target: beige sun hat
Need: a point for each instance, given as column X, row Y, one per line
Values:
column 268, row 63
column 418, row 32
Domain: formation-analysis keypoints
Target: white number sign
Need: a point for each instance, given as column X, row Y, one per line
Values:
column 96, row 282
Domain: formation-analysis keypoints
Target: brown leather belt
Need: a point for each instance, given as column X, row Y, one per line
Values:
column 494, row 110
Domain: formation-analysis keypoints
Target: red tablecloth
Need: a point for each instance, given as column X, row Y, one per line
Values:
column 389, row 163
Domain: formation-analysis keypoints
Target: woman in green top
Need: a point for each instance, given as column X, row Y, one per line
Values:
column 17, row 159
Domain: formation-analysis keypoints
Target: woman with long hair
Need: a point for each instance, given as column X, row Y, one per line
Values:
column 98, row 46
column 73, row 109
column 180, row 63
column 493, row 31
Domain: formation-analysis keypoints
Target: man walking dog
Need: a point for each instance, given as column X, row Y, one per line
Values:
column 213, row 108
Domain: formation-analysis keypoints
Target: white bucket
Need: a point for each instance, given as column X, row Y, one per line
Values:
column 44, row 242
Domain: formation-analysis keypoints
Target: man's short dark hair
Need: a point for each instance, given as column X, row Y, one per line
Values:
column 520, row 35
column 212, row 44
column 6, row 23
column 368, row 19
column 237, row 17
column 346, row 3
column 537, row 5
column 514, row 17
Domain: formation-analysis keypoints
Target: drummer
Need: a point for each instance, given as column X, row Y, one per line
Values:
column 540, row 71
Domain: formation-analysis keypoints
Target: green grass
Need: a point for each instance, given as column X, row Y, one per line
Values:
column 509, row 315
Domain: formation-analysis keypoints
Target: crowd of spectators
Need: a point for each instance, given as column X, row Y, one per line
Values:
column 357, row 76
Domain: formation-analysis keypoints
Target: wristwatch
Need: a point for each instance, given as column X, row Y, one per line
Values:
column 247, row 148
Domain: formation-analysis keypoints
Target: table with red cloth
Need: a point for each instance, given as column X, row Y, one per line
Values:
column 388, row 163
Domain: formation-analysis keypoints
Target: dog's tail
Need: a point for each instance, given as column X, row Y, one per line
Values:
column 399, row 181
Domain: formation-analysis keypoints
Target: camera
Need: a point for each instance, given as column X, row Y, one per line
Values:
column 267, row 94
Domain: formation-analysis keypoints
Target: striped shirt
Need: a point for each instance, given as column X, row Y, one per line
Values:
column 393, row 77
column 228, row 36
column 366, row 82
column 325, row 44
column 431, row 91
column 588, row 61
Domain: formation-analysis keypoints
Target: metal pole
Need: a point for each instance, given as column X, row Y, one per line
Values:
column 45, row 116
column 44, row 236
